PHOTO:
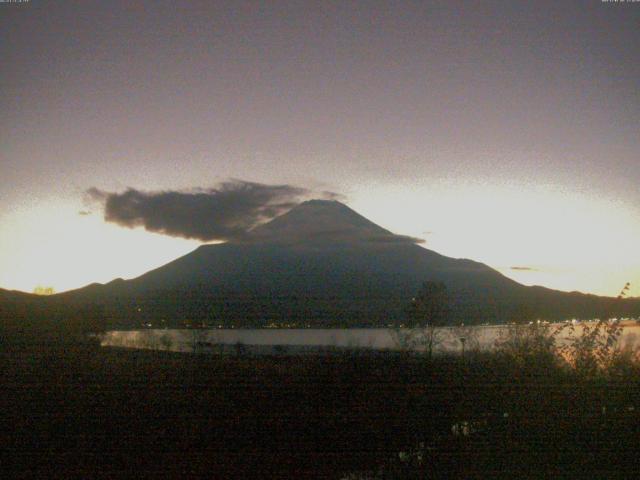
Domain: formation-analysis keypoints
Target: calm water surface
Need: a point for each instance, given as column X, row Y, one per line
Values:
column 310, row 339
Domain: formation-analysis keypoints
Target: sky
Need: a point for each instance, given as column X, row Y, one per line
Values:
column 507, row 132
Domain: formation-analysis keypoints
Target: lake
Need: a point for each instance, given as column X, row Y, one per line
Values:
column 314, row 340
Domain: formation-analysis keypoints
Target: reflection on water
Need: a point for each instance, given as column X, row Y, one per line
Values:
column 449, row 339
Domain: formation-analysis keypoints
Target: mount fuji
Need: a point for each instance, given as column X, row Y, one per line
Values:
column 323, row 265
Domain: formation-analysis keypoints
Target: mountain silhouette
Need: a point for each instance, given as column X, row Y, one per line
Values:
column 324, row 265
column 319, row 222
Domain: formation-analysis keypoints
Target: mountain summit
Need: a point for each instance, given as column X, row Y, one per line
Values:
column 324, row 221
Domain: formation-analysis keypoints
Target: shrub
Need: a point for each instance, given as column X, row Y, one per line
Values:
column 527, row 345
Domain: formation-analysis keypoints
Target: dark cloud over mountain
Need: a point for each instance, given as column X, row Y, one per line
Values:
column 226, row 212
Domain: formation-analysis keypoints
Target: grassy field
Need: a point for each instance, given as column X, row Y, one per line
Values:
column 78, row 410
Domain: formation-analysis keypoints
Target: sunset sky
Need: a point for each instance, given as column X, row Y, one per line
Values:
column 507, row 132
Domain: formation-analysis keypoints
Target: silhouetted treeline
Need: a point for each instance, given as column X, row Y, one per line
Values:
column 202, row 305
column 121, row 305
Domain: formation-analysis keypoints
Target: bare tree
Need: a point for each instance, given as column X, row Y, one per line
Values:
column 430, row 310
column 199, row 337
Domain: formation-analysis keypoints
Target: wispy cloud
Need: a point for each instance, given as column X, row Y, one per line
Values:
column 524, row 269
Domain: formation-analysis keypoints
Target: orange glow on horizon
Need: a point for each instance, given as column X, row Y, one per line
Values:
column 57, row 247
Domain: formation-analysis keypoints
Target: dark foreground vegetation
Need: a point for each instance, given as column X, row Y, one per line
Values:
column 75, row 410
